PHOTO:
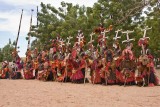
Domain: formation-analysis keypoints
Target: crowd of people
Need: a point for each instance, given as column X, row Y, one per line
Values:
column 84, row 62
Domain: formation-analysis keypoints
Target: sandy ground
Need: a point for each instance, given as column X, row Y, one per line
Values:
column 34, row 93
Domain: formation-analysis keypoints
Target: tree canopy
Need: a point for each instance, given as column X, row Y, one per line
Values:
column 5, row 52
column 122, row 14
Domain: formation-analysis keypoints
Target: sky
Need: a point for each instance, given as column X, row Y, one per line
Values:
column 10, row 11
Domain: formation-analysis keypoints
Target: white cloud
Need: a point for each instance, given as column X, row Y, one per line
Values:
column 12, row 22
column 12, row 17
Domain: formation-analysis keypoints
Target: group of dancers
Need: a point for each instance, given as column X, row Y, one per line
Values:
column 85, row 62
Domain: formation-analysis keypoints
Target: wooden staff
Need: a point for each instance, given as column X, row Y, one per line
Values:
column 125, row 81
column 37, row 16
column 106, row 78
column 29, row 34
column 66, row 72
column 149, row 71
column 18, row 31
column 94, row 73
column 105, row 74
column 30, row 29
column 86, row 69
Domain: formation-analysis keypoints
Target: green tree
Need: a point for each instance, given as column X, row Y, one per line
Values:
column 6, row 51
column 1, row 55
column 153, row 20
column 122, row 14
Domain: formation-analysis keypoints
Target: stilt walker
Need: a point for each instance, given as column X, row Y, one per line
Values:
column 28, row 73
column 14, row 53
column 28, row 53
column 16, row 58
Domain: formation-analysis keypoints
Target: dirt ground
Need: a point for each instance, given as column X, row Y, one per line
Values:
column 34, row 93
